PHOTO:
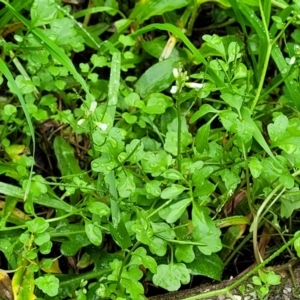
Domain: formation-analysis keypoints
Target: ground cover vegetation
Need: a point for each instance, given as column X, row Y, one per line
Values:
column 148, row 144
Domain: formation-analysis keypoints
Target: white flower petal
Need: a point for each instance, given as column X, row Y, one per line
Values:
column 102, row 126
column 174, row 89
column 292, row 60
column 93, row 107
column 194, row 85
column 176, row 73
column 80, row 122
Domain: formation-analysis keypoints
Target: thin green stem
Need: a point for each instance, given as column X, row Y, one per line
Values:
column 266, row 61
column 262, row 78
column 159, row 208
column 250, row 204
column 261, row 212
column 178, row 135
column 124, row 263
column 256, row 220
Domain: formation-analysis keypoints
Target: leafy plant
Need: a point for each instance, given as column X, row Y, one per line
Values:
column 131, row 157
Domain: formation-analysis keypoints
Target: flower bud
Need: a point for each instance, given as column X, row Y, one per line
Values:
column 174, row 89
column 194, row 85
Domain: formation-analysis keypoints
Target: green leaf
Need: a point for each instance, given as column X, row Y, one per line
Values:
column 201, row 140
column 37, row 225
column 297, row 244
column 42, row 12
column 153, row 188
column 41, row 238
column 156, row 163
column 204, row 109
column 171, row 142
column 10, row 79
column 173, row 191
column 173, row 212
column 290, row 83
column 135, row 151
column 104, row 164
column 205, row 230
column 126, row 186
column 289, row 203
column 255, row 167
column 67, row 162
column 144, row 10
column 272, row 278
column 146, row 236
column 246, row 114
column 140, row 257
column 48, row 284
column 184, row 253
column 215, row 42
column 14, row 191
column 232, row 100
column 172, row 175
column 157, row 78
column 278, row 128
column 99, row 209
column 94, row 233
column 156, row 104
column 23, row 277
column 170, row 277
column 130, row 119
column 75, row 235
column 206, row 265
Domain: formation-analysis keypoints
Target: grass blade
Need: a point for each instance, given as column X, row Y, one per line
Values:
column 118, row 229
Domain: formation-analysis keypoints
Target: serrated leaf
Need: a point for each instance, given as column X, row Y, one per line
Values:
column 43, row 12
column 170, row 277
column 278, row 128
column 156, row 103
column 140, row 257
column 48, row 284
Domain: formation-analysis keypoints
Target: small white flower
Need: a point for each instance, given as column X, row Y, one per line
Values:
column 176, row 73
column 102, row 126
column 93, row 107
column 194, row 85
column 230, row 193
column 174, row 89
column 292, row 60
column 80, row 122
